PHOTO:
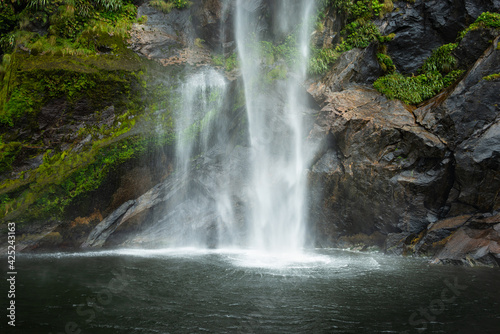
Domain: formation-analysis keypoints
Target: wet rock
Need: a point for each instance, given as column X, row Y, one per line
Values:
column 104, row 229
column 436, row 234
column 332, row 24
column 473, row 45
column 162, row 35
column 472, row 247
column 467, row 119
column 357, row 66
column 213, row 23
column 387, row 173
column 422, row 26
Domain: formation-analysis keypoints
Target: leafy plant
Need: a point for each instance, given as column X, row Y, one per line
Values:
column 321, row 60
column 360, row 34
column 411, row 90
column 414, row 89
column 441, row 59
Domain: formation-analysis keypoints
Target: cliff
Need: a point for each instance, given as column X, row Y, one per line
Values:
column 403, row 100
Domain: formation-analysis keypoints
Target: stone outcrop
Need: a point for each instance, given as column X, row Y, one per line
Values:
column 380, row 171
column 422, row 26
column 420, row 177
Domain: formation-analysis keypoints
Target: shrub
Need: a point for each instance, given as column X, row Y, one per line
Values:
column 411, row 90
column 441, row 59
column 360, row 34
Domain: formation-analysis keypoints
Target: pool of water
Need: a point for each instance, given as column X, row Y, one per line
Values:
column 241, row 291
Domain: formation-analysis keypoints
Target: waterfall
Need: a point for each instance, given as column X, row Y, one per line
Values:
column 240, row 180
column 278, row 157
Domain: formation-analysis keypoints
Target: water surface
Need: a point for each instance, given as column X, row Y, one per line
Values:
column 236, row 291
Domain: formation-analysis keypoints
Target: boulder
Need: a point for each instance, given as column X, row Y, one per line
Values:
column 356, row 66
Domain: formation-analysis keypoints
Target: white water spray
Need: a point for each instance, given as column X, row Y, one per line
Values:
column 278, row 184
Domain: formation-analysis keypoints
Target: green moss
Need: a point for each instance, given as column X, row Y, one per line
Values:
column 132, row 85
column 278, row 73
column 33, row 81
column 166, row 6
column 8, row 153
column 386, row 63
column 492, row 77
column 229, row 63
column 485, row 20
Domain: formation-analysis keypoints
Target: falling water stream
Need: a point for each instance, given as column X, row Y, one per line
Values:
column 278, row 185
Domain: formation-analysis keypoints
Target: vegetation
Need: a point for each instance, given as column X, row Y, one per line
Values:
column 492, row 77
column 386, row 63
column 438, row 71
column 358, row 32
column 66, row 175
column 75, row 27
column 166, row 6
column 414, row 89
column 229, row 63
column 73, row 53
column 485, row 20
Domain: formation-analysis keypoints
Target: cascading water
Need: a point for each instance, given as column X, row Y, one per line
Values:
column 242, row 183
column 278, row 180
column 199, row 213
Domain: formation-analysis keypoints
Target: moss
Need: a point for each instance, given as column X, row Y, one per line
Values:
column 492, row 77
column 34, row 80
column 386, row 63
column 485, row 20
column 438, row 72
column 228, row 63
column 278, row 73
column 8, row 153
column 66, row 175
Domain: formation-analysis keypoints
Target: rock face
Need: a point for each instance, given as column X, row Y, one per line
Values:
column 467, row 120
column 423, row 26
column 380, row 170
column 356, row 66
column 423, row 178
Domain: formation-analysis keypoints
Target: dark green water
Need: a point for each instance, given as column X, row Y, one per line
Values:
column 195, row 291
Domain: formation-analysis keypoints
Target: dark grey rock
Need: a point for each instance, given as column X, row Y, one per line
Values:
column 423, row 26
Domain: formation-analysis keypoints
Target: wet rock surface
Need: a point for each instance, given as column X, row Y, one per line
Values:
column 423, row 26
column 422, row 177
column 381, row 171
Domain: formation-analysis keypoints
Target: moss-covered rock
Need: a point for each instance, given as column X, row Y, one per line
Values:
column 68, row 122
